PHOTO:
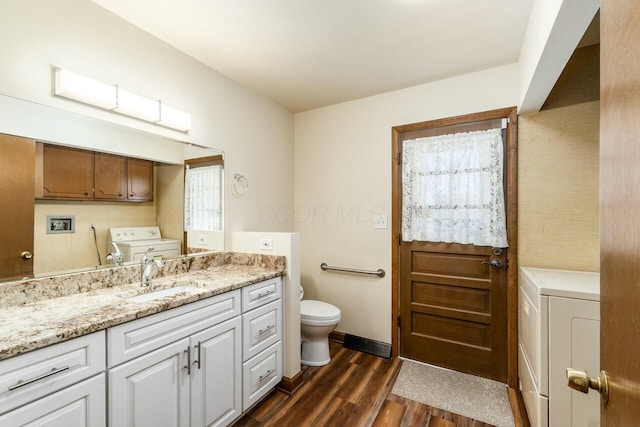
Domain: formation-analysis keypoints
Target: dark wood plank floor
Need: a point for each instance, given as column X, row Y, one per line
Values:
column 353, row 390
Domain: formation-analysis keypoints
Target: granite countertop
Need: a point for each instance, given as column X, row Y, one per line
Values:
column 35, row 315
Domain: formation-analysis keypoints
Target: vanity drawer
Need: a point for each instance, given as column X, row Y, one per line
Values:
column 32, row 375
column 260, row 374
column 261, row 328
column 261, row 293
column 133, row 339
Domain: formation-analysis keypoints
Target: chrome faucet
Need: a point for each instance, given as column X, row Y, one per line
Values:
column 116, row 257
column 146, row 264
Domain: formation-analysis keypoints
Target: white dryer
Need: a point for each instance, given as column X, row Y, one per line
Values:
column 559, row 327
column 135, row 241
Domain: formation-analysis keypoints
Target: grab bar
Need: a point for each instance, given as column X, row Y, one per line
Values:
column 379, row 272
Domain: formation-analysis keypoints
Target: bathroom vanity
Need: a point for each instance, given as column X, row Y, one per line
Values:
column 196, row 349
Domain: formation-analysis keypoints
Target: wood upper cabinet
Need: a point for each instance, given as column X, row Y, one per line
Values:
column 140, row 180
column 110, row 177
column 65, row 173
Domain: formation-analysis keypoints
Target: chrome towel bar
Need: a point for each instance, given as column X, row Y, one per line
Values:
column 379, row 272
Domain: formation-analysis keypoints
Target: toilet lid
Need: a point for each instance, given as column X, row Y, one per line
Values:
column 310, row 309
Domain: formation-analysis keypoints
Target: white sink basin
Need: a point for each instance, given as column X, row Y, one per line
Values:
column 161, row 294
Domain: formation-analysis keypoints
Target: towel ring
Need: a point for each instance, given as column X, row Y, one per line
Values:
column 240, row 185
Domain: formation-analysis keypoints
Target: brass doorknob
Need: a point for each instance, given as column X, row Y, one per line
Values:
column 26, row 255
column 578, row 379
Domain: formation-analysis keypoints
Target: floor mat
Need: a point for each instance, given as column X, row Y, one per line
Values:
column 474, row 397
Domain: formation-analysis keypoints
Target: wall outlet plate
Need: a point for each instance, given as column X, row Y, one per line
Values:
column 380, row 221
column 266, row 244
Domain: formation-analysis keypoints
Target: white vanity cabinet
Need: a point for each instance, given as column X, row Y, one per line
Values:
column 60, row 385
column 181, row 367
column 262, row 332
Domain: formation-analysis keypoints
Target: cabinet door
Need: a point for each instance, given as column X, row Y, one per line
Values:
column 17, row 171
column 216, row 381
column 140, row 184
column 67, row 173
column 110, row 177
column 81, row 405
column 152, row 390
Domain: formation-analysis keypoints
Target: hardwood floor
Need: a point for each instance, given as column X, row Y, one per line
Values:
column 353, row 390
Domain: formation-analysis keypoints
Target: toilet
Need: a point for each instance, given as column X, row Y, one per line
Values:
column 317, row 320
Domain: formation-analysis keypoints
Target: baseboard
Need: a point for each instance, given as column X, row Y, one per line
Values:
column 337, row 336
column 291, row 385
column 519, row 411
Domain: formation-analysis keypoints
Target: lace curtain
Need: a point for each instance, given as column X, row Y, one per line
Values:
column 203, row 198
column 452, row 189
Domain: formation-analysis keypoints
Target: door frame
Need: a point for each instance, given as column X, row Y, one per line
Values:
column 511, row 205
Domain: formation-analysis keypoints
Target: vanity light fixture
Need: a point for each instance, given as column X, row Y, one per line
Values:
column 111, row 97
column 83, row 89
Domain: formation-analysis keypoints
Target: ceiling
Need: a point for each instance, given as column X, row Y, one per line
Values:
column 305, row 54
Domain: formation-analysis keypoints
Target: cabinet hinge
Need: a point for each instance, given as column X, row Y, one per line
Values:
column 398, row 321
column 399, row 239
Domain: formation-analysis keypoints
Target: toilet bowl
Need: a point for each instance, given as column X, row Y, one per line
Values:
column 317, row 320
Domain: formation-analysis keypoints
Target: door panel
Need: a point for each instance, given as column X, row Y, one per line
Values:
column 17, row 174
column 453, row 307
column 620, row 210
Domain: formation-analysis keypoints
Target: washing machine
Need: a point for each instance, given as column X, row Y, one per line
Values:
column 558, row 328
column 135, row 241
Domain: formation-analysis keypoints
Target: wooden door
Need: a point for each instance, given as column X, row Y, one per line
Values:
column 140, row 180
column 455, row 309
column 110, row 177
column 17, row 172
column 620, row 210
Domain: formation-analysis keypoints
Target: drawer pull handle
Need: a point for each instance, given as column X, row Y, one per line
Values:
column 265, row 330
column 266, row 294
column 267, row 375
column 53, row 371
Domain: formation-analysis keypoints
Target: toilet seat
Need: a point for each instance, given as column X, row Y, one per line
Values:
column 318, row 313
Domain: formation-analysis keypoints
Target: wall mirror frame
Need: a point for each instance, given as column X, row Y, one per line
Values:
column 53, row 254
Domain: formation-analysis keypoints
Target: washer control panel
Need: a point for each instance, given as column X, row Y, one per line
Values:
column 128, row 234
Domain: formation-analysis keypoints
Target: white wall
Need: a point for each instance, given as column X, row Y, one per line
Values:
column 343, row 176
column 255, row 133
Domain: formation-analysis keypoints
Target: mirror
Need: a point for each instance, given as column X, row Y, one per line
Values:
column 86, row 247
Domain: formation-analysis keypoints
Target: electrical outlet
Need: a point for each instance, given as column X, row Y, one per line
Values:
column 202, row 239
column 266, row 244
column 380, row 221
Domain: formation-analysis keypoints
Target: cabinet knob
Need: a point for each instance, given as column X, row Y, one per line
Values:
column 26, row 255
